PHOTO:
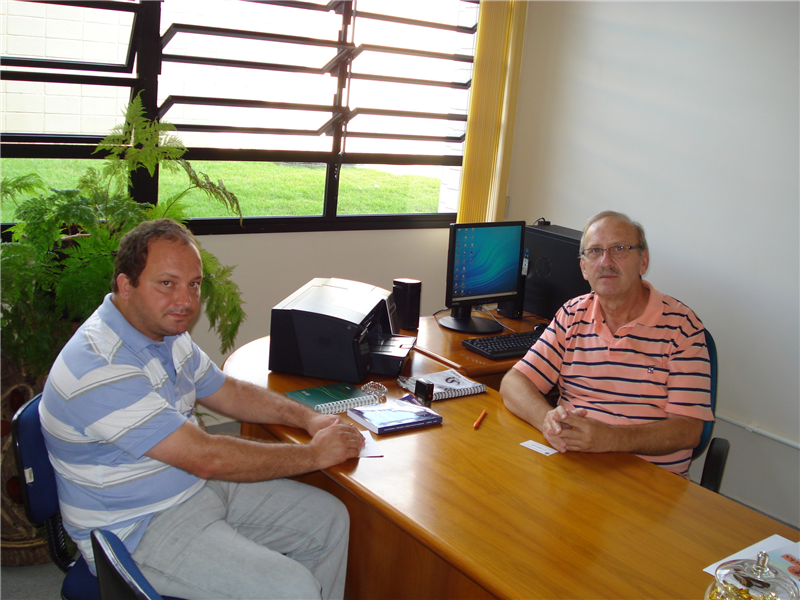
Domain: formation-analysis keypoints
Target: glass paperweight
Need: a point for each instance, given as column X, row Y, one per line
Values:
column 749, row 580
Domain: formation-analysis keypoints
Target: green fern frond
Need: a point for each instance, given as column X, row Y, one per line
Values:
column 92, row 181
column 37, row 222
column 26, row 264
column 140, row 142
column 11, row 187
column 215, row 191
column 122, row 213
column 31, row 330
column 121, row 135
column 86, row 271
column 222, row 301
column 170, row 208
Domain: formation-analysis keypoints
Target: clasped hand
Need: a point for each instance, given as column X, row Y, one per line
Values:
column 570, row 429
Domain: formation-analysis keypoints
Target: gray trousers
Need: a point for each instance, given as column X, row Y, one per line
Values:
column 275, row 539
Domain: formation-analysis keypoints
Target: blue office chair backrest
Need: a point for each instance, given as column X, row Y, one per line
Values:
column 708, row 426
column 40, row 497
column 119, row 577
column 39, row 493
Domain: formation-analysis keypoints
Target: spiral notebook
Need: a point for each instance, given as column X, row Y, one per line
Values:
column 332, row 398
column 446, row 384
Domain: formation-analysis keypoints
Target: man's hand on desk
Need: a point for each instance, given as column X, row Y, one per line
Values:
column 334, row 440
column 571, row 430
column 319, row 422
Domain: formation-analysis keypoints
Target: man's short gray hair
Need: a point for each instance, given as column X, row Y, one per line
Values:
column 642, row 243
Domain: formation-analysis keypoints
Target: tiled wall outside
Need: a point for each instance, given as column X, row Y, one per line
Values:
column 33, row 30
column 38, row 30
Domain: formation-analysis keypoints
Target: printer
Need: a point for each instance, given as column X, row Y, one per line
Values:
column 337, row 329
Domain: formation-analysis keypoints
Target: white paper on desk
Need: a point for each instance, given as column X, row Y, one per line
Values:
column 371, row 448
column 773, row 542
column 540, row 448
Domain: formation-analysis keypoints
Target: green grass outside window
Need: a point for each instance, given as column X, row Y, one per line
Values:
column 264, row 189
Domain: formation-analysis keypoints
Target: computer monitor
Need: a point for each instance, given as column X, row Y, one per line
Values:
column 484, row 265
column 554, row 269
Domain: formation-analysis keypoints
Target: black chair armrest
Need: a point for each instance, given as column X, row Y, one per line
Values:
column 714, row 465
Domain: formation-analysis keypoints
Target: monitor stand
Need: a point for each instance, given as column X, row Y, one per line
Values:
column 461, row 319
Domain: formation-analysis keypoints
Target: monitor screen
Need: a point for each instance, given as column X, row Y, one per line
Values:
column 484, row 265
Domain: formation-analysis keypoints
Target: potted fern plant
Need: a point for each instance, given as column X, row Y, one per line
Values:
column 59, row 264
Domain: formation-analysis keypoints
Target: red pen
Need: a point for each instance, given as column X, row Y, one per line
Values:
column 478, row 422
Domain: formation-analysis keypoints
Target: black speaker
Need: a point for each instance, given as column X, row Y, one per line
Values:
column 511, row 309
column 407, row 293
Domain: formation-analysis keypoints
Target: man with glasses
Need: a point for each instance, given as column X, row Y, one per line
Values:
column 630, row 363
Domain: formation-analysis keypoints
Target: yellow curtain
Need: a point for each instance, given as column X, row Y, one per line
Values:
column 493, row 103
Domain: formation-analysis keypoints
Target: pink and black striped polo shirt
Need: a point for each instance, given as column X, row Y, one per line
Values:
column 655, row 365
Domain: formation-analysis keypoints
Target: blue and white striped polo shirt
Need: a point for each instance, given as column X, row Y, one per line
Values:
column 112, row 394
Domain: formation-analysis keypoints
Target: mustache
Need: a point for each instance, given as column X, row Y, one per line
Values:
column 608, row 271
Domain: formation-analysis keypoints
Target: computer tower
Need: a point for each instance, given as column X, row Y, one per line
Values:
column 554, row 272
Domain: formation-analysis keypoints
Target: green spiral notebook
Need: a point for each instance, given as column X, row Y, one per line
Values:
column 332, row 398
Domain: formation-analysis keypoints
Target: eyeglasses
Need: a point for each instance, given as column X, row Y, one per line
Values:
column 620, row 251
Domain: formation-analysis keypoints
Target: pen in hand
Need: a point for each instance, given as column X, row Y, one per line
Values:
column 478, row 422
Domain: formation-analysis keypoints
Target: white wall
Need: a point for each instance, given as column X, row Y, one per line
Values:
column 685, row 116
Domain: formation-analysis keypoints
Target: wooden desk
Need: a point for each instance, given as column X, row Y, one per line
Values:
column 453, row 512
column 445, row 346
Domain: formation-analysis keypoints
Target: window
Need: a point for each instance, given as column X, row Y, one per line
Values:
column 317, row 115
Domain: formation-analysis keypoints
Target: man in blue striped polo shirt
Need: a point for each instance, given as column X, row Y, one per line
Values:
column 205, row 516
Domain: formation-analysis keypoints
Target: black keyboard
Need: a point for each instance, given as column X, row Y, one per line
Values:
column 500, row 347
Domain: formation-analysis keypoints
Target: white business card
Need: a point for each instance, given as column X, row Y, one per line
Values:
column 540, row 448
column 371, row 447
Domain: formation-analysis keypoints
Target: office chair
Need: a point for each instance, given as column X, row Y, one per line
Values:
column 40, row 498
column 717, row 454
column 117, row 574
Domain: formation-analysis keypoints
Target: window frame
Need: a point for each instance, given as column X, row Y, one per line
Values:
column 146, row 55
